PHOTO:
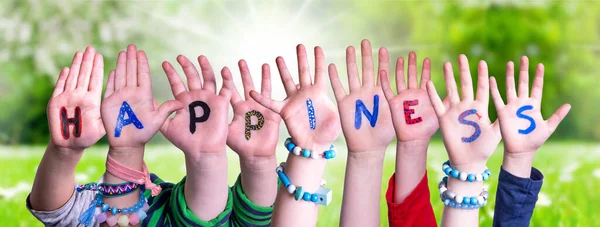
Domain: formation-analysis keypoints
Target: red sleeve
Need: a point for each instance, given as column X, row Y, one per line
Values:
column 415, row 210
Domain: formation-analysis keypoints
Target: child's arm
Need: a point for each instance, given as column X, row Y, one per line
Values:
column 367, row 127
column 415, row 123
column 313, row 124
column 470, row 139
column 253, row 135
column 200, row 131
column 75, row 124
column 524, row 131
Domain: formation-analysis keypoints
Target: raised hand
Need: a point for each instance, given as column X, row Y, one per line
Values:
column 309, row 114
column 201, row 126
column 130, row 115
column 412, row 113
column 374, row 131
column 254, row 130
column 469, row 135
column 521, row 123
column 74, row 109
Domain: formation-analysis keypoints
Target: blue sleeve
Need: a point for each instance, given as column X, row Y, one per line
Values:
column 516, row 198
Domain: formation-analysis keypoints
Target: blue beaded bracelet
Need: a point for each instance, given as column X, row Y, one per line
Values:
column 298, row 151
column 462, row 202
column 454, row 173
column 321, row 197
column 130, row 215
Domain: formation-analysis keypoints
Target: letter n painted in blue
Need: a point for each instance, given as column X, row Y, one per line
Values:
column 362, row 109
column 530, row 119
column 122, row 122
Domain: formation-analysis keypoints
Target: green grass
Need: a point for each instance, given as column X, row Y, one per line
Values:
column 569, row 196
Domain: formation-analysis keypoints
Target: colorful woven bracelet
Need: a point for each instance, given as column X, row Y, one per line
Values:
column 298, row 151
column 454, row 173
column 453, row 200
column 130, row 215
column 321, row 197
column 110, row 190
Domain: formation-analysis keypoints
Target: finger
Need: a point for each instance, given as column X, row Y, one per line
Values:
column 511, row 92
column 265, row 86
column 413, row 81
column 87, row 64
column 336, row 84
column 425, row 73
column 538, row 83
column 498, row 102
column 235, row 95
column 120, row 71
column 208, row 75
column 384, row 64
column 110, row 84
column 557, row 117
column 367, row 63
column 143, row 69
column 286, row 78
column 71, row 83
column 303, row 68
column 320, row 77
column 466, row 82
column 247, row 82
column 451, row 89
column 228, row 85
column 483, row 82
column 268, row 103
column 385, row 85
column 131, row 66
column 352, row 69
column 177, row 86
column 60, row 83
column 191, row 73
column 166, row 109
column 97, row 77
column 436, row 102
column 524, row 77
column 400, row 84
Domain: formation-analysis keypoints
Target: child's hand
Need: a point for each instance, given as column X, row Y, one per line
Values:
column 374, row 131
column 74, row 110
column 319, row 131
column 201, row 126
column 130, row 115
column 254, row 129
column 521, row 123
column 412, row 113
column 469, row 136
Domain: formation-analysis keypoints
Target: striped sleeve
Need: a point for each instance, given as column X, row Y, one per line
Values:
column 169, row 208
column 246, row 213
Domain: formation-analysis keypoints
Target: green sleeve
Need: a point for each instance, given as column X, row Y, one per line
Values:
column 246, row 213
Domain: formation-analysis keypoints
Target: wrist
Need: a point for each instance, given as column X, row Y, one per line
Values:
column 413, row 146
column 64, row 151
column 258, row 163
column 518, row 164
column 131, row 157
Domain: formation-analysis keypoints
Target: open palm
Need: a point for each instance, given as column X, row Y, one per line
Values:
column 260, row 141
column 79, row 86
column 294, row 110
column 130, row 86
column 468, row 134
column 198, row 136
column 521, row 123
column 363, row 136
column 412, row 113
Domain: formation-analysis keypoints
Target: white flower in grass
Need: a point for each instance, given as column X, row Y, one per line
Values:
column 81, row 177
column 21, row 187
column 567, row 172
column 543, row 200
column 596, row 173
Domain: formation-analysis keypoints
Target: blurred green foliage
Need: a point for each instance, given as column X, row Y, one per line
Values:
column 38, row 38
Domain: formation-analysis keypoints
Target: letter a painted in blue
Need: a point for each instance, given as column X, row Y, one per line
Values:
column 530, row 119
column 122, row 122
column 361, row 108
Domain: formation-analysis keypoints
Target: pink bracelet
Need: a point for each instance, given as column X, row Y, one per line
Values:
column 124, row 173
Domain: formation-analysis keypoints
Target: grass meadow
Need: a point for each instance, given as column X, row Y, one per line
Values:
column 569, row 196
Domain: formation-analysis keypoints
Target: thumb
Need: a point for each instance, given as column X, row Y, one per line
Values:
column 166, row 109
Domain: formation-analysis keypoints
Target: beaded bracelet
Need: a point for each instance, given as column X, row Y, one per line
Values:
column 321, row 197
column 130, row 215
column 296, row 150
column 457, row 201
column 449, row 171
column 110, row 190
